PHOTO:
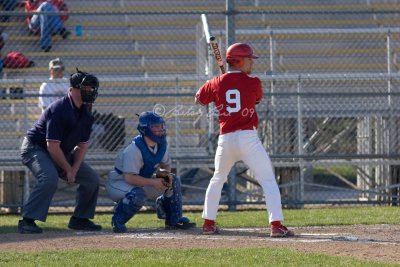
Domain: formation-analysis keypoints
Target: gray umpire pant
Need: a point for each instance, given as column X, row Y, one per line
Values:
column 44, row 169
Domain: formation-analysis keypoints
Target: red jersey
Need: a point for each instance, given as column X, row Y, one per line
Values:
column 235, row 95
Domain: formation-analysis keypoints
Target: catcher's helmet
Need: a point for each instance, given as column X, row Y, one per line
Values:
column 79, row 79
column 146, row 120
column 236, row 52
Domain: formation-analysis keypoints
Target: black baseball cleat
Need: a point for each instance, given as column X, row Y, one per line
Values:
column 83, row 224
column 180, row 226
column 25, row 227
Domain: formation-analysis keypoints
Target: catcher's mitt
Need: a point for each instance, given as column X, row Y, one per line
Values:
column 167, row 176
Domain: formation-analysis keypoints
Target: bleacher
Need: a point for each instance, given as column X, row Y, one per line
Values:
column 135, row 39
column 139, row 44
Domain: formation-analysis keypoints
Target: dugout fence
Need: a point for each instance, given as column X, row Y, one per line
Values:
column 329, row 70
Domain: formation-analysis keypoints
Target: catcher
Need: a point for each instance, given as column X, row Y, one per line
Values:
column 133, row 179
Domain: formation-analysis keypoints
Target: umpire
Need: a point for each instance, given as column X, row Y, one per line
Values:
column 55, row 147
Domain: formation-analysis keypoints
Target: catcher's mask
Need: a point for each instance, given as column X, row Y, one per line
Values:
column 147, row 122
column 236, row 53
column 81, row 80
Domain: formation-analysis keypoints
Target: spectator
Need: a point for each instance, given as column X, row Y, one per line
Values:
column 55, row 147
column 57, row 84
column 47, row 25
column 7, row 5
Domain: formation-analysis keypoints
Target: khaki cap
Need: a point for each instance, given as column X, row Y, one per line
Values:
column 56, row 64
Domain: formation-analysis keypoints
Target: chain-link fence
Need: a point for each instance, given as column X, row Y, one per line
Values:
column 329, row 70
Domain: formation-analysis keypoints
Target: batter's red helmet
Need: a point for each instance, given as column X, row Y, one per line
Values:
column 238, row 51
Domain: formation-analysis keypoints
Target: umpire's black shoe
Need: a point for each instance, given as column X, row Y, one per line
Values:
column 83, row 224
column 25, row 227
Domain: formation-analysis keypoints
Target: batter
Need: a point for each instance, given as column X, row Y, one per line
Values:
column 235, row 95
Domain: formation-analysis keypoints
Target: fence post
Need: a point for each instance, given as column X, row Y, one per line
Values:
column 26, row 185
column 394, row 170
column 389, row 65
column 230, row 39
column 386, row 172
column 232, row 189
column 273, row 148
column 177, row 128
column 230, row 22
column 300, row 195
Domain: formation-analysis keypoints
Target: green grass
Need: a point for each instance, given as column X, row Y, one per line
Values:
column 347, row 172
column 196, row 257
column 295, row 217
column 179, row 257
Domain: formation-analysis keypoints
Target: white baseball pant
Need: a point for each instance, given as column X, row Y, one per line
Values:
column 246, row 146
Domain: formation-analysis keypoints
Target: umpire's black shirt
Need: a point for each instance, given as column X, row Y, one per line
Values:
column 62, row 122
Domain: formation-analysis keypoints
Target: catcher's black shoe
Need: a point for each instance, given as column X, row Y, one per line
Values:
column 83, row 224
column 25, row 227
column 180, row 225
column 117, row 226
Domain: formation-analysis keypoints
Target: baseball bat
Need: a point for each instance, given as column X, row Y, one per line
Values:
column 211, row 40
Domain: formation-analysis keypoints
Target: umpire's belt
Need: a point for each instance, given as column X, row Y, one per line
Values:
column 118, row 170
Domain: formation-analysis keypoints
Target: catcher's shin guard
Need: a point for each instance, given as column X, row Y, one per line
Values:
column 119, row 218
column 127, row 208
column 173, row 205
column 160, row 207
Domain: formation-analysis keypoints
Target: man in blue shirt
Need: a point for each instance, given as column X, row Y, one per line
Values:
column 55, row 147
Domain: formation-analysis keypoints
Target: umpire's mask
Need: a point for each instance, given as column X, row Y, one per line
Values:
column 81, row 80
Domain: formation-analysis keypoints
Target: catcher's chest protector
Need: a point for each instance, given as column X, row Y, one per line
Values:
column 150, row 160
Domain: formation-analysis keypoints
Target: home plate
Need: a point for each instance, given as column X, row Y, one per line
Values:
column 320, row 234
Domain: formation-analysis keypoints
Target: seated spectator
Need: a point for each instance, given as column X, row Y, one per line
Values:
column 57, row 84
column 7, row 5
column 47, row 25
